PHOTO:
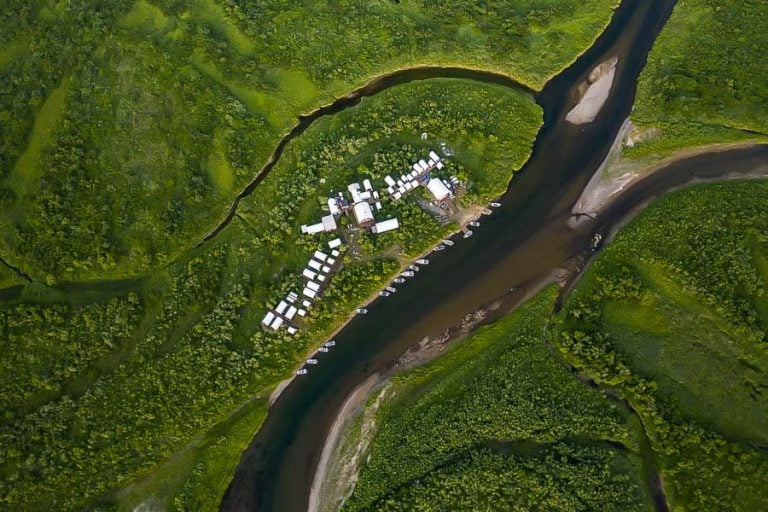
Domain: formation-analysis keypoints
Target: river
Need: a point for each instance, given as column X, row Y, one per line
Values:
column 516, row 247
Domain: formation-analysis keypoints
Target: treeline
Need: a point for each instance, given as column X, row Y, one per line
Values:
column 552, row 478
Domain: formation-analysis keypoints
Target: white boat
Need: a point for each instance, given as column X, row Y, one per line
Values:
column 303, row 371
column 391, row 289
column 440, row 247
column 423, row 261
column 414, row 268
column 324, row 350
column 468, row 234
column 398, row 280
column 474, row 224
column 331, row 343
column 495, row 205
column 448, row 242
column 408, row 273
column 361, row 311
column 311, row 361
column 384, row 293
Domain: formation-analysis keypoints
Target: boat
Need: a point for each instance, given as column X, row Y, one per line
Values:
column 474, row 224
column 414, row 268
column 331, row 343
column 423, row 261
column 361, row 311
column 408, row 273
column 440, row 247
column 311, row 361
column 448, row 242
column 384, row 293
column 495, row 204
column 468, row 234
column 391, row 289
column 398, row 280
column 324, row 350
column 303, row 371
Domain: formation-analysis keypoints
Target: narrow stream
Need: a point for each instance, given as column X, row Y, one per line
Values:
column 521, row 243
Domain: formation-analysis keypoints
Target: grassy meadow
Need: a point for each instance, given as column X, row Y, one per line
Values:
column 673, row 316
column 128, row 127
column 705, row 79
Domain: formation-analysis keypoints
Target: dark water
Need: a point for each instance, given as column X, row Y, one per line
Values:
column 520, row 243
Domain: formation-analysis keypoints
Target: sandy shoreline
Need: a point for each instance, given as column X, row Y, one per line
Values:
column 614, row 177
column 594, row 93
column 355, row 401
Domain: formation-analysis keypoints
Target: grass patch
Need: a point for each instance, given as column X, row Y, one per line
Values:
column 671, row 315
column 704, row 81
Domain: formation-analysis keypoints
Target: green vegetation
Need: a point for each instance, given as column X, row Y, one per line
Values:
column 705, row 78
column 191, row 329
column 673, row 316
column 499, row 424
column 129, row 127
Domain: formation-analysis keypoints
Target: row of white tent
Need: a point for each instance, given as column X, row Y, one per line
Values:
column 316, row 273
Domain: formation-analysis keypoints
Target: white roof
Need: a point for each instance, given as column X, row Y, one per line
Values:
column 336, row 242
column 332, row 206
column 367, row 184
column 414, row 174
column 397, row 195
column 378, row 205
column 438, row 189
column 434, row 156
column 376, row 194
column 417, row 168
column 391, row 188
column 354, row 189
column 309, row 293
column 313, row 286
column 268, row 318
column 320, row 255
column 414, row 184
column 326, row 269
column 329, row 223
column 306, row 304
column 302, row 312
column 423, row 165
column 308, row 274
column 277, row 323
column 281, row 307
column 330, row 261
column 291, row 330
column 291, row 312
column 292, row 296
column 440, row 165
column 400, row 181
column 363, row 213
column 389, row 181
column 321, row 278
column 387, row 225
column 365, row 195
column 315, row 265
column 313, row 229
column 335, row 253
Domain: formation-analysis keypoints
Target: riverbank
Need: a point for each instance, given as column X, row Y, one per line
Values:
column 615, row 175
